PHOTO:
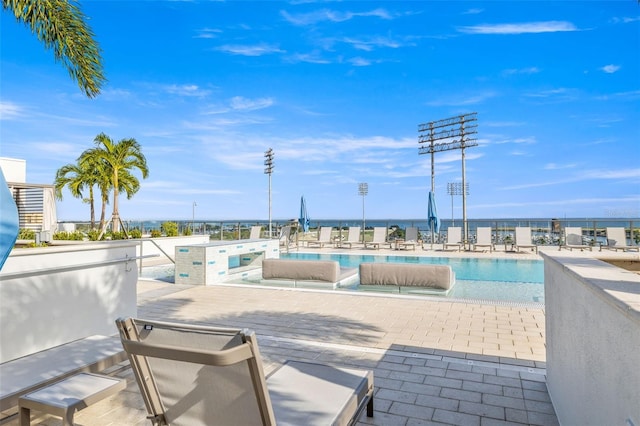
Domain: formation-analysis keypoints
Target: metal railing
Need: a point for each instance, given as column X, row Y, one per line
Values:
column 546, row 231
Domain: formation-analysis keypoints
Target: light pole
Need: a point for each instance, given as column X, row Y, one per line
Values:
column 193, row 218
column 363, row 189
column 455, row 188
column 268, row 170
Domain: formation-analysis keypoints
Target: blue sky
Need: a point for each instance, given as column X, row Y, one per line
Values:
column 338, row 90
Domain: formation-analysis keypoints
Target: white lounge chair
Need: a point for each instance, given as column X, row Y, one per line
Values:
column 323, row 238
column 285, row 236
column 573, row 239
column 353, row 237
column 410, row 239
column 483, row 238
column 379, row 238
column 255, row 232
column 523, row 239
column 617, row 240
column 198, row 375
column 454, row 238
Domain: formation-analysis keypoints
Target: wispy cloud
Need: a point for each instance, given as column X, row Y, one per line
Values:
column 10, row 110
column 473, row 11
column 520, row 28
column 207, row 33
column 239, row 103
column 515, row 71
column 561, row 94
column 250, row 50
column 463, row 100
column 521, row 140
column 626, row 20
column 331, row 16
column 610, row 69
column 631, row 95
column 587, row 175
column 360, row 62
column 311, row 57
column 555, row 166
column 186, row 90
column 369, row 44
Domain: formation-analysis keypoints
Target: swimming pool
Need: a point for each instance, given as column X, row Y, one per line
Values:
column 513, row 280
column 509, row 280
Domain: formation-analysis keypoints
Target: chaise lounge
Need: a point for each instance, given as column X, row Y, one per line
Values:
column 197, row 375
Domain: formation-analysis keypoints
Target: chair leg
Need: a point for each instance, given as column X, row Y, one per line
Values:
column 370, row 407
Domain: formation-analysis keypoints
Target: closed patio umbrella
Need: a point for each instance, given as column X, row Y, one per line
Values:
column 304, row 217
column 432, row 216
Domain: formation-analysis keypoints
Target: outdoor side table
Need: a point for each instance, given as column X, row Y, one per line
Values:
column 63, row 398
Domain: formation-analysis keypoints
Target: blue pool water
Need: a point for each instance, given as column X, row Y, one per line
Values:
column 513, row 280
column 510, row 280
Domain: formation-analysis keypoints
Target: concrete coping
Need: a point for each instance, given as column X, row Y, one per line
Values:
column 615, row 285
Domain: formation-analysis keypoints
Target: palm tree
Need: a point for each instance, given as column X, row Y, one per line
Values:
column 60, row 25
column 101, row 177
column 118, row 159
column 77, row 177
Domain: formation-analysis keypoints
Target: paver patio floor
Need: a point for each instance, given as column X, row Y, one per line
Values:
column 435, row 362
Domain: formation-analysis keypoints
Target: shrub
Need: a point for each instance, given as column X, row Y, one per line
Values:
column 135, row 233
column 26, row 234
column 155, row 233
column 93, row 234
column 118, row 235
column 69, row 236
column 187, row 231
column 170, row 229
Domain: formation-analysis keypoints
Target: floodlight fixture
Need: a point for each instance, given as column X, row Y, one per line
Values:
column 363, row 190
column 450, row 133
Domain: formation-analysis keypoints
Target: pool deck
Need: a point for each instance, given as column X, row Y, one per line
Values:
column 434, row 361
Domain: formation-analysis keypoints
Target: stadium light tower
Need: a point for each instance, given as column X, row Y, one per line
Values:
column 363, row 189
column 451, row 133
column 268, row 170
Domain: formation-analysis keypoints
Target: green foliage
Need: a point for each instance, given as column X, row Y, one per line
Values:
column 117, row 235
column 26, row 234
column 170, row 229
column 135, row 233
column 68, row 236
column 187, row 231
column 636, row 236
column 156, row 233
column 34, row 245
column 61, row 26
column 93, row 234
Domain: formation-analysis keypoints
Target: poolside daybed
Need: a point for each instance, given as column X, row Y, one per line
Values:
column 440, row 277
column 307, row 270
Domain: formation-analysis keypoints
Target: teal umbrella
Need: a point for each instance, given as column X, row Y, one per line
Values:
column 304, row 216
column 432, row 215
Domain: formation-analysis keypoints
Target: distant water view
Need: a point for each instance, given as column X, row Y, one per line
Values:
column 547, row 230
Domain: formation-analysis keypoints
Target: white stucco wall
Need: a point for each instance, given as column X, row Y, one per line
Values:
column 14, row 169
column 51, row 296
column 593, row 341
column 152, row 246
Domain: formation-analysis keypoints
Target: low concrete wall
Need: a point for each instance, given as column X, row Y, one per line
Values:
column 153, row 246
column 56, row 295
column 593, row 340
